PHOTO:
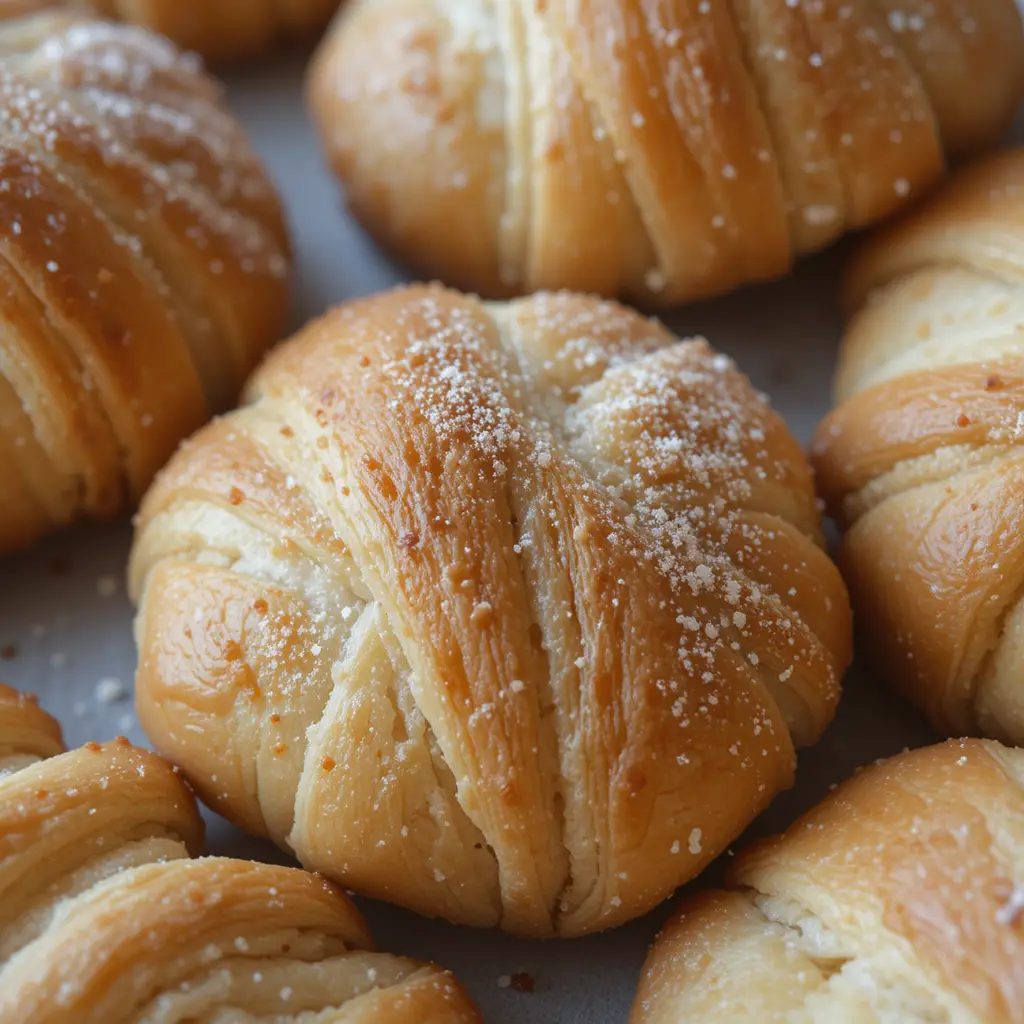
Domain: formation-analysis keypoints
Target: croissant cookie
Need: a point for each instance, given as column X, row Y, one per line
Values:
column 662, row 150
column 921, row 461
column 106, row 919
column 511, row 614
column 900, row 898
column 143, row 265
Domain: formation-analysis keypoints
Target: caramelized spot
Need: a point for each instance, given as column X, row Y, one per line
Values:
column 345, row 491
column 42, row 794
column 122, row 741
column 275, row 718
column 280, row 749
column 327, row 763
column 994, row 383
column 93, row 746
column 963, row 420
column 322, row 442
column 326, row 476
column 233, row 651
column 235, row 496
column 636, row 781
column 321, row 418
column 364, row 360
column 260, row 605
column 287, row 432
column 409, row 540
column 371, row 463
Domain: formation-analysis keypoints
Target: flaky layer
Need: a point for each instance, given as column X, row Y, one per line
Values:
column 921, row 460
column 105, row 919
column 900, row 898
column 663, row 150
column 143, row 265
column 511, row 614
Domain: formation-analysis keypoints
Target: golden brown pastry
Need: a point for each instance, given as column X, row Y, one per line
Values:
column 105, row 919
column 143, row 265
column 662, row 150
column 220, row 29
column 921, row 461
column 27, row 733
column 511, row 614
column 898, row 900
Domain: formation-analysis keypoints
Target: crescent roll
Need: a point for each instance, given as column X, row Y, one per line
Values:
column 220, row 29
column 922, row 459
column 661, row 150
column 512, row 614
column 105, row 918
column 899, row 899
column 143, row 265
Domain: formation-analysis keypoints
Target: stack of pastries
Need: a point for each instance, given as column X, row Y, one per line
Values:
column 516, row 612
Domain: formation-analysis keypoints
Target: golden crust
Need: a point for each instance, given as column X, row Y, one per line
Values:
column 660, row 151
column 511, row 614
column 143, row 265
column 219, row 30
column 27, row 733
column 900, row 897
column 921, row 459
column 105, row 918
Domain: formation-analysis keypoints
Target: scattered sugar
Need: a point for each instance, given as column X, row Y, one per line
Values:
column 110, row 690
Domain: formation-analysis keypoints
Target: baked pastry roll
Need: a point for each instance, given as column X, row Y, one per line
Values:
column 221, row 29
column 511, row 614
column 662, row 150
column 899, row 898
column 105, row 918
column 921, row 461
column 143, row 265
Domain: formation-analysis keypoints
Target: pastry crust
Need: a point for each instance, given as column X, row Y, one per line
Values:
column 921, row 460
column 105, row 918
column 900, row 898
column 27, row 733
column 663, row 151
column 221, row 29
column 143, row 265
column 511, row 614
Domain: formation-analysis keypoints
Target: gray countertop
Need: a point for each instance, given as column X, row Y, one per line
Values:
column 65, row 622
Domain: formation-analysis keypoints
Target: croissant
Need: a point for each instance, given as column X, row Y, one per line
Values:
column 921, row 461
column 221, row 29
column 143, row 265
column 510, row 614
column 900, row 898
column 662, row 150
column 105, row 919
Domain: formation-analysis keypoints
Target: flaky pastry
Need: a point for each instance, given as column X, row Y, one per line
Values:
column 143, row 265
column 105, row 918
column 899, row 899
column 662, row 150
column 511, row 614
column 922, row 459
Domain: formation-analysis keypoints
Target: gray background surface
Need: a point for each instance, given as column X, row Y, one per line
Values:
column 65, row 622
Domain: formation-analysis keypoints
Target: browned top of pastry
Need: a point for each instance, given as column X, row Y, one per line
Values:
column 143, row 264
column 551, row 581
column 664, row 150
